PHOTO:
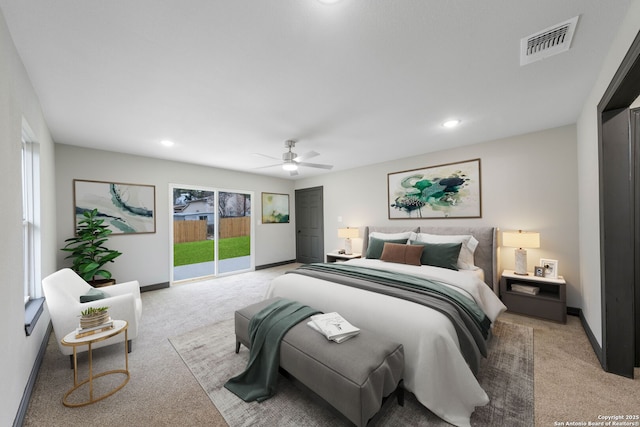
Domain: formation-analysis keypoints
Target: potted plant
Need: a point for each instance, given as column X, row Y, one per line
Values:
column 93, row 317
column 88, row 252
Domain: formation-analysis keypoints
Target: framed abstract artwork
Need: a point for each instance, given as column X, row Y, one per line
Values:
column 451, row 190
column 126, row 208
column 275, row 208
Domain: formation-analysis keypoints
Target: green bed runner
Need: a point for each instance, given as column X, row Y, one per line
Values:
column 407, row 281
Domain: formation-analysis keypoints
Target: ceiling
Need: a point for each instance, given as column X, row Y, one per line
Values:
column 360, row 81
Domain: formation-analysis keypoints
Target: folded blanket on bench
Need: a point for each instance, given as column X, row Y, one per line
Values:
column 266, row 330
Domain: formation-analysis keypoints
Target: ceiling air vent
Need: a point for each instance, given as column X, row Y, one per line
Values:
column 548, row 42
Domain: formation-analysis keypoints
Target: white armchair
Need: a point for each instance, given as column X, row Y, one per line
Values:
column 62, row 291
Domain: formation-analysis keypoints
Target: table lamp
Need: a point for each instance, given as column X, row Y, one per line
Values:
column 521, row 240
column 347, row 234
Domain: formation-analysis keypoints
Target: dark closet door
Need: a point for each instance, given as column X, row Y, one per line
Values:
column 617, row 234
column 619, row 210
column 309, row 225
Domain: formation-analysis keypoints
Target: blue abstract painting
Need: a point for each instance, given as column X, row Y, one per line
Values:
column 126, row 208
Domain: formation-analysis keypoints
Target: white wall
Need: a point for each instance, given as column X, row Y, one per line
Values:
column 529, row 182
column 17, row 101
column 146, row 257
column 587, row 135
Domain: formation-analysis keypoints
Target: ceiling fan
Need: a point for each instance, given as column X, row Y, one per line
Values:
column 291, row 161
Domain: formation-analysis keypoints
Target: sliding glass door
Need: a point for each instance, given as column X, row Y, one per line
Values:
column 234, row 232
column 212, row 233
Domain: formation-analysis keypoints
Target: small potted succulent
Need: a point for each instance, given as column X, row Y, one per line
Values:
column 88, row 253
column 93, row 316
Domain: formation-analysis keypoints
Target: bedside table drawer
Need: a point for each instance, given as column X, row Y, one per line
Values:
column 534, row 306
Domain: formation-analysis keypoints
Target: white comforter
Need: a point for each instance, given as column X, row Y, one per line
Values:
column 435, row 370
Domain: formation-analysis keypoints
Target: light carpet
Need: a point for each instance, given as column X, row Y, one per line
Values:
column 506, row 375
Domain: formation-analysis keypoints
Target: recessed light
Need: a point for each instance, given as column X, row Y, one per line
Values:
column 451, row 123
column 167, row 143
column 328, row 1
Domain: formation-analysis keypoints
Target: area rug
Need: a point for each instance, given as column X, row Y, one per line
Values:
column 506, row 375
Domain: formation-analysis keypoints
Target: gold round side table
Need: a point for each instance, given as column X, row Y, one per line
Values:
column 70, row 339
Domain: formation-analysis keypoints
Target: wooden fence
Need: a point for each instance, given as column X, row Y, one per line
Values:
column 189, row 231
column 196, row 230
column 235, row 227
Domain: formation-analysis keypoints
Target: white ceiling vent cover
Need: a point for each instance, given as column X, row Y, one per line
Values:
column 548, row 42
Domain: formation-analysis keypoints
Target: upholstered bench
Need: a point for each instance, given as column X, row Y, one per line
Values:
column 353, row 377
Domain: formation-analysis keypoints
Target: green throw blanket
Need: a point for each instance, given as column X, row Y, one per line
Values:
column 266, row 330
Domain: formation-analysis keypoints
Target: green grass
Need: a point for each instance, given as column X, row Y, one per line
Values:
column 196, row 252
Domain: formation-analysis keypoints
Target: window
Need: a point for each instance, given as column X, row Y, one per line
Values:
column 30, row 228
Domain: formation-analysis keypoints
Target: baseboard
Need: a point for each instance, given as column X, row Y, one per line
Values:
column 154, row 287
column 275, row 264
column 28, row 390
column 164, row 285
column 574, row 311
column 597, row 349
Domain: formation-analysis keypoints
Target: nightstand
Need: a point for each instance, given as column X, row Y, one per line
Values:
column 550, row 303
column 336, row 257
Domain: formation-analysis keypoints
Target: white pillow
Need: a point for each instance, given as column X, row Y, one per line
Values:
column 469, row 245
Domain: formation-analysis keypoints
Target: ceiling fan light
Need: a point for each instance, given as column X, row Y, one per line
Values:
column 289, row 166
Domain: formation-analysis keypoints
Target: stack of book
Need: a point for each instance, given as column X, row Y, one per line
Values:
column 84, row 332
column 525, row 289
column 333, row 326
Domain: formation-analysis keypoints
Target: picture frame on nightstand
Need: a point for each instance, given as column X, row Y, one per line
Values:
column 538, row 271
column 550, row 268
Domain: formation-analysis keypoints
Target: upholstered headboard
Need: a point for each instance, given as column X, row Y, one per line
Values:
column 486, row 254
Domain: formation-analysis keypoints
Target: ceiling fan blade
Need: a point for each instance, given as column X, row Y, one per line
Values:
column 267, row 156
column 316, row 165
column 268, row 166
column 306, row 156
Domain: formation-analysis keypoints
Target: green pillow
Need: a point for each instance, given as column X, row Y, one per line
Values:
column 443, row 255
column 93, row 295
column 374, row 250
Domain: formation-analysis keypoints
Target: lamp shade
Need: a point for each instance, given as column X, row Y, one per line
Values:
column 348, row 233
column 521, row 239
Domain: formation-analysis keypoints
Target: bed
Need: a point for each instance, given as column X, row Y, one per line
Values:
column 439, row 370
